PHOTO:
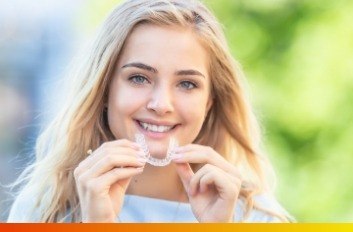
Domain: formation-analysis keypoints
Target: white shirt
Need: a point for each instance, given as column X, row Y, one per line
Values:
column 137, row 209
column 144, row 209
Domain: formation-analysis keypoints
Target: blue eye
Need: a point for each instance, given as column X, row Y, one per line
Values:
column 138, row 79
column 187, row 85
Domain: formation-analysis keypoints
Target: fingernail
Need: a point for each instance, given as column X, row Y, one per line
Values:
column 142, row 160
column 140, row 169
column 141, row 154
column 176, row 156
column 136, row 146
column 178, row 149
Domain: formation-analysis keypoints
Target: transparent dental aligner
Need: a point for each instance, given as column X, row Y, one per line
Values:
column 140, row 139
column 173, row 143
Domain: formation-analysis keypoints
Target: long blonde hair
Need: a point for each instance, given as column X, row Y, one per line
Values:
column 230, row 126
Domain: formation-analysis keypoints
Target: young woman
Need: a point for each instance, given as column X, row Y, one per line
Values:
column 161, row 70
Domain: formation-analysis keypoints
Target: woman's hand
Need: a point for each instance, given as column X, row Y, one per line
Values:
column 214, row 189
column 103, row 177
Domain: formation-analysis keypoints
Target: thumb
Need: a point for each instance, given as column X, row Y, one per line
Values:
column 185, row 173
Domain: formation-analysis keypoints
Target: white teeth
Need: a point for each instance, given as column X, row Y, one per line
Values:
column 155, row 128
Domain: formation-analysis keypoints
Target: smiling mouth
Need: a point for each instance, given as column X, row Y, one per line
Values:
column 155, row 128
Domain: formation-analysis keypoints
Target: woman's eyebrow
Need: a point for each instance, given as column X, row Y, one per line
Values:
column 189, row 72
column 146, row 67
column 141, row 66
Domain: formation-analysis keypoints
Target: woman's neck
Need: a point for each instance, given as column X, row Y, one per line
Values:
column 158, row 182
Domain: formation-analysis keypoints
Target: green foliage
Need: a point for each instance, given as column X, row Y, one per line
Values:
column 297, row 56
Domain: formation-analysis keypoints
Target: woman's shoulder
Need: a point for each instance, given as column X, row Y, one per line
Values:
column 265, row 209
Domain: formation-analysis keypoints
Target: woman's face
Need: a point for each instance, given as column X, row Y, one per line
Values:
column 161, row 87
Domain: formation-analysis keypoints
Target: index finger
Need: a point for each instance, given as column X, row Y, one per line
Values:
column 194, row 153
column 185, row 173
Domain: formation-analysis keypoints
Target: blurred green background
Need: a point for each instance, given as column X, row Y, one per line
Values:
column 298, row 58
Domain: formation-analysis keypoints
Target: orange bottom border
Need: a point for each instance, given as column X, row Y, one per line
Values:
column 153, row 227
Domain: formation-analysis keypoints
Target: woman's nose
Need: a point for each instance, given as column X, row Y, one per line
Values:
column 161, row 101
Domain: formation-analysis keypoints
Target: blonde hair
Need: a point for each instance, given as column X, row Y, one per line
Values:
column 230, row 126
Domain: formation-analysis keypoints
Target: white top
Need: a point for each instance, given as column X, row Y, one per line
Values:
column 143, row 209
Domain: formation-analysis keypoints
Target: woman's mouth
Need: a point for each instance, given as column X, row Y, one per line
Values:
column 156, row 129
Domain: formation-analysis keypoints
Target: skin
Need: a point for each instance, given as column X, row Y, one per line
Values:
column 161, row 78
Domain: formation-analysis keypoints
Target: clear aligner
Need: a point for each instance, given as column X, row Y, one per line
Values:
column 173, row 143
column 140, row 139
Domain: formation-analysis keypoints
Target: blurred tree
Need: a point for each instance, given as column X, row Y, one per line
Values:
column 298, row 58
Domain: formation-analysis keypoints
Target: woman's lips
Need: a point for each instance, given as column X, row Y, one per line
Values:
column 155, row 134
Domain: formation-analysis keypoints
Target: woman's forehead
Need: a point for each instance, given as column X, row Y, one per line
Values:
column 158, row 45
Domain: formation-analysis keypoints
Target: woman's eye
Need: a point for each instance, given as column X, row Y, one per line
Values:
column 187, row 85
column 138, row 79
